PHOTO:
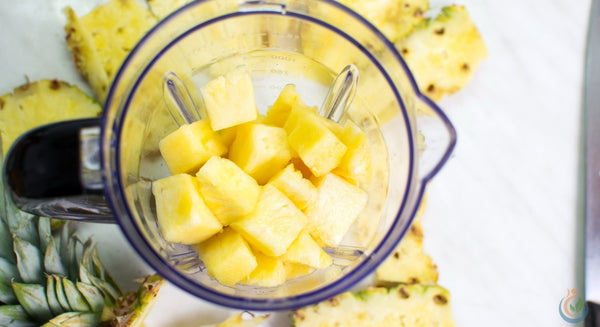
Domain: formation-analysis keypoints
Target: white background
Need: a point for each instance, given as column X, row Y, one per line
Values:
column 503, row 220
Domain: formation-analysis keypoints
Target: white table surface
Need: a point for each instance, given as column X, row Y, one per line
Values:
column 503, row 220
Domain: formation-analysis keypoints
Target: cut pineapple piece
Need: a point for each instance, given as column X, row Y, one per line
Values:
column 297, row 188
column 186, row 149
column 338, row 204
column 269, row 272
column 182, row 215
column 42, row 102
column 405, row 305
column 100, row 40
column 295, row 270
column 273, row 224
column 395, row 18
column 260, row 150
column 355, row 165
column 444, row 53
column 227, row 257
column 280, row 110
column 316, row 145
column 229, row 100
column 305, row 251
column 229, row 192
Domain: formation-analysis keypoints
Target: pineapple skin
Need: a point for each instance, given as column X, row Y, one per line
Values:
column 444, row 53
column 404, row 305
column 100, row 40
column 42, row 102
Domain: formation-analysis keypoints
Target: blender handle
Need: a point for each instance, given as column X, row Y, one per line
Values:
column 54, row 171
column 439, row 137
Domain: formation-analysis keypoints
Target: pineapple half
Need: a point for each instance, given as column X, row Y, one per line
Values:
column 42, row 102
column 443, row 53
column 404, row 305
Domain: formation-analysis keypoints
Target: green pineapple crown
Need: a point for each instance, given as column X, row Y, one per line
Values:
column 46, row 277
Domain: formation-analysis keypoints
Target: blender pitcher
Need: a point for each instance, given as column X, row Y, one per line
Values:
column 103, row 169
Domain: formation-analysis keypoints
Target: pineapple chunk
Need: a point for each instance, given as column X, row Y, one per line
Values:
column 443, row 53
column 280, row 110
column 338, row 204
column 273, row 225
column 405, row 305
column 100, row 40
column 295, row 270
column 229, row 192
column 42, row 102
column 269, row 272
column 260, row 150
column 229, row 100
column 315, row 143
column 186, row 149
column 297, row 188
column 183, row 217
column 227, row 257
column 305, row 251
column 395, row 18
column 355, row 165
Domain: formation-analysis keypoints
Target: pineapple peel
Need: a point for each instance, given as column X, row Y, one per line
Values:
column 443, row 53
column 37, row 103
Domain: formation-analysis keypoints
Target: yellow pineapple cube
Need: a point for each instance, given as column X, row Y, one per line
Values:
column 187, row 148
column 338, row 204
column 315, row 143
column 295, row 270
column 182, row 215
column 227, row 257
column 304, row 250
column 280, row 110
column 273, row 224
column 260, row 150
column 229, row 100
column 269, row 271
column 355, row 165
column 297, row 188
column 228, row 191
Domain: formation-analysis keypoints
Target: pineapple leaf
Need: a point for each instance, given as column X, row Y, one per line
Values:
column 29, row 261
column 23, row 225
column 60, row 293
column 32, row 298
column 52, row 260
column 92, row 295
column 14, row 316
column 51, row 297
column 6, row 245
column 102, row 272
column 8, row 272
column 75, row 319
column 76, row 300
column 44, row 232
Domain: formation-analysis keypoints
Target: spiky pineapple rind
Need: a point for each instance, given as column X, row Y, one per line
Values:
column 404, row 305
